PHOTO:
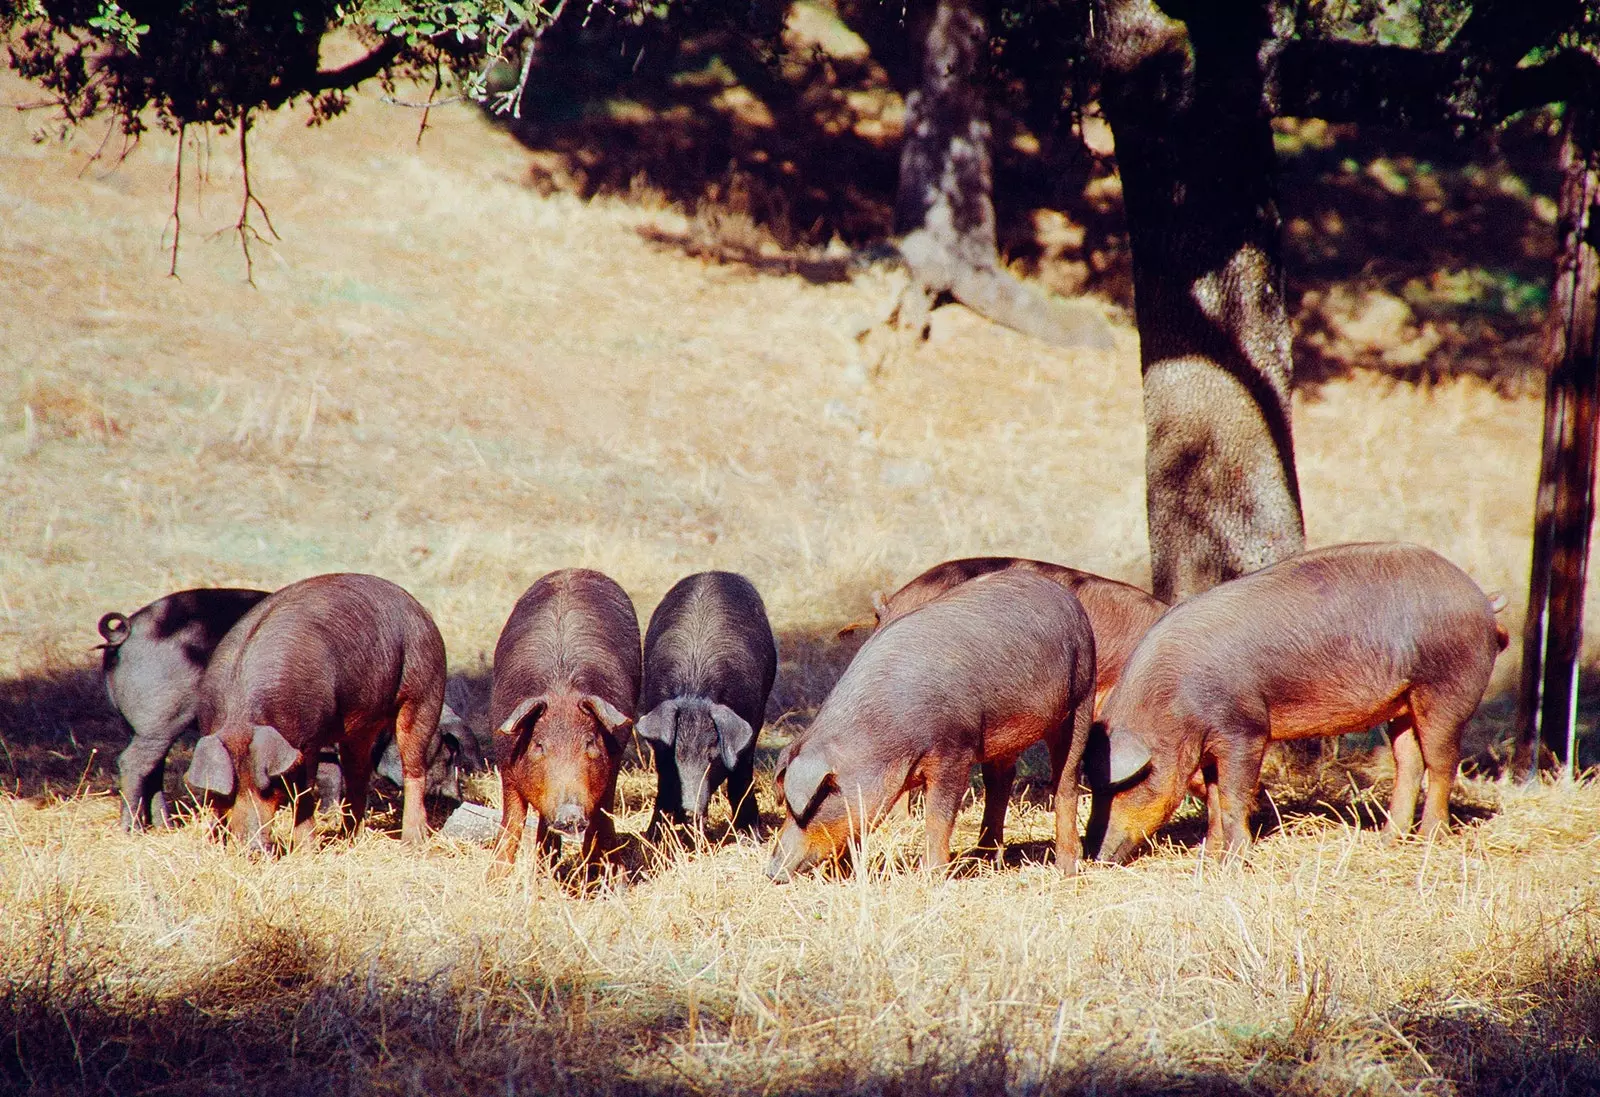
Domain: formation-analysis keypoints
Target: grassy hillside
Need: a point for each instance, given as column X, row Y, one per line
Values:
column 451, row 378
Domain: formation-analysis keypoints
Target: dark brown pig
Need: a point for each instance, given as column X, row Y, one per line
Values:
column 972, row 678
column 709, row 662
column 1119, row 613
column 1329, row 642
column 337, row 660
column 566, row 687
column 153, row 660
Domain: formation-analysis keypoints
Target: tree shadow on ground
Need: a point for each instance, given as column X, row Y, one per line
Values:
column 281, row 1015
column 1417, row 257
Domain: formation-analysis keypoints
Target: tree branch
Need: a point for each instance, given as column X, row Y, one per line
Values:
column 364, row 68
column 1410, row 88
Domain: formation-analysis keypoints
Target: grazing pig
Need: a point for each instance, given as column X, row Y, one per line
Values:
column 974, row 677
column 1325, row 643
column 709, row 662
column 566, row 687
column 338, row 660
column 1119, row 613
column 153, row 660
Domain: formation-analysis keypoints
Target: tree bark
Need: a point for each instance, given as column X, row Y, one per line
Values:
column 1552, row 640
column 1194, row 148
column 944, row 209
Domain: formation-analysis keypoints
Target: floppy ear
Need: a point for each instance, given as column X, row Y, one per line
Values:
column 211, row 769
column 660, row 724
column 271, row 755
column 733, row 733
column 610, row 717
column 804, row 781
column 526, row 713
column 1112, row 757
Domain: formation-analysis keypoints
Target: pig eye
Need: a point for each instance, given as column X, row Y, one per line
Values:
column 537, row 747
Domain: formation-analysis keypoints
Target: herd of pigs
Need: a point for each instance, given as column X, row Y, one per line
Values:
column 971, row 663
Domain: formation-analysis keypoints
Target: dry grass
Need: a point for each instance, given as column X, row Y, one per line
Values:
column 451, row 380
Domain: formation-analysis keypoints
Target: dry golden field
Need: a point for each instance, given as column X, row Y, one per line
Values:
column 450, row 378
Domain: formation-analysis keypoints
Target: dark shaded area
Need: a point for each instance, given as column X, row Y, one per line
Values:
column 279, row 1018
column 773, row 157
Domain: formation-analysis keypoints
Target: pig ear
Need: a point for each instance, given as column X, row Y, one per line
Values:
column 1112, row 757
column 804, row 781
column 526, row 713
column 608, row 714
column 880, row 605
column 211, row 769
column 660, row 724
column 271, row 755
column 733, row 732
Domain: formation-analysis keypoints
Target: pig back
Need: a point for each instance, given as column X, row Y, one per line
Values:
column 331, row 648
column 711, row 638
column 1119, row 613
column 573, row 630
column 1005, row 645
column 1346, row 626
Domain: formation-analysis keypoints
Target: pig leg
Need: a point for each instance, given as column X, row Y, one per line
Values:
column 1066, row 774
column 412, row 733
column 1238, row 752
column 742, row 796
column 302, row 794
column 1438, row 728
column 997, row 780
column 513, row 818
column 140, row 772
column 941, row 802
column 1215, row 839
column 355, row 759
column 1407, row 777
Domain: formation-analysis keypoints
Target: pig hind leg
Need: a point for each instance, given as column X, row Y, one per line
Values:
column 997, row 780
column 1066, row 774
column 1439, row 718
column 415, row 725
column 1407, row 776
column 355, row 762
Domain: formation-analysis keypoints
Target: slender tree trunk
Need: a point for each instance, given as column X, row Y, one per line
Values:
column 1552, row 639
column 1194, row 149
column 944, row 210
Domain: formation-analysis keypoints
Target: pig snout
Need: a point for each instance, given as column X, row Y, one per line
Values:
column 570, row 821
column 696, row 780
column 791, row 855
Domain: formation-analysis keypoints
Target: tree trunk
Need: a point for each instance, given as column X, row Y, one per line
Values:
column 1194, row 149
column 944, row 210
column 1552, row 639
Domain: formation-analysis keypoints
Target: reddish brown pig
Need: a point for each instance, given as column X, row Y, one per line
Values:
column 566, row 687
column 334, row 661
column 973, row 678
column 1329, row 642
column 1119, row 613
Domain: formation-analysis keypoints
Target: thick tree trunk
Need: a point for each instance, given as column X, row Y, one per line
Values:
column 944, row 210
column 1194, row 149
column 1552, row 640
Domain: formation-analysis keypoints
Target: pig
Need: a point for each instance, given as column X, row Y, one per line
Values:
column 565, row 692
column 1329, row 642
column 974, row 677
column 337, row 660
column 1119, row 613
column 152, row 661
column 709, row 662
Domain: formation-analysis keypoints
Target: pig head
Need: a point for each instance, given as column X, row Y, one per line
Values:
column 563, row 749
column 245, row 774
column 824, row 816
column 705, row 738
